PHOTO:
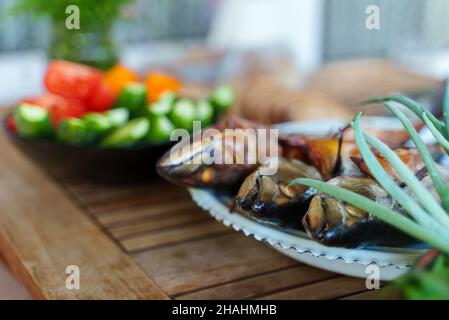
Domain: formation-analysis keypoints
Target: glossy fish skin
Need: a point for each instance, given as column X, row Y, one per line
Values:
column 328, row 155
column 269, row 198
column 187, row 168
column 334, row 223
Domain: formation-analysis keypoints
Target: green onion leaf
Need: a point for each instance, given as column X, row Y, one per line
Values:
column 416, row 108
column 435, row 175
column 446, row 108
column 384, row 179
column 406, row 225
column 436, row 134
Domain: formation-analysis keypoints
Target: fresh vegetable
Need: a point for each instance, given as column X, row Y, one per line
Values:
column 96, row 125
column 73, row 131
column 32, row 121
column 119, row 76
column 11, row 123
column 204, row 112
column 222, row 98
column 158, row 83
column 131, row 133
column 101, row 99
column 428, row 279
column 80, row 82
column 72, row 80
column 161, row 128
column 421, row 224
column 163, row 106
column 428, row 218
column 133, row 97
column 58, row 107
column 183, row 114
column 117, row 116
column 113, row 108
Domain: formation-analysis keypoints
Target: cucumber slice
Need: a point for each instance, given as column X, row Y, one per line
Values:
column 204, row 112
column 183, row 114
column 97, row 122
column 133, row 97
column 161, row 129
column 222, row 98
column 118, row 116
column 33, row 121
column 97, row 125
column 131, row 133
column 73, row 131
column 163, row 106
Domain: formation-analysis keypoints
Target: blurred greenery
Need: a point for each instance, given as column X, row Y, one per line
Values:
column 92, row 43
column 430, row 282
column 94, row 14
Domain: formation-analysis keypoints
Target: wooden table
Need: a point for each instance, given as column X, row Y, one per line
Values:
column 138, row 240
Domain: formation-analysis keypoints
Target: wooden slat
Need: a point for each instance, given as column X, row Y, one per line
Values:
column 196, row 265
column 328, row 289
column 113, row 197
column 42, row 232
column 170, row 236
column 173, row 219
column 373, row 295
column 262, row 284
column 123, row 216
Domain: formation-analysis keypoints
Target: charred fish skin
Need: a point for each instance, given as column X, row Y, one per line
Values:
column 268, row 198
column 217, row 160
column 334, row 223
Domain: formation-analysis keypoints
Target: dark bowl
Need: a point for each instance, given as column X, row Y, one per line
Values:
column 95, row 162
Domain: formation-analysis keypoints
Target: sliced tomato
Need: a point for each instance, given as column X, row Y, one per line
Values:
column 101, row 99
column 11, row 123
column 59, row 107
column 72, row 80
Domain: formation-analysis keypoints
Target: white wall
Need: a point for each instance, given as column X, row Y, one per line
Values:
column 252, row 24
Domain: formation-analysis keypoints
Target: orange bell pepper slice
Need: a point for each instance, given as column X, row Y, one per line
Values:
column 158, row 83
column 119, row 76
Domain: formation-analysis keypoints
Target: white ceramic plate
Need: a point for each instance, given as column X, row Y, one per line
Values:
column 392, row 261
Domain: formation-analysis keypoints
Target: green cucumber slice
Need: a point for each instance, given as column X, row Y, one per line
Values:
column 161, row 129
column 222, row 98
column 33, row 121
column 183, row 114
column 131, row 133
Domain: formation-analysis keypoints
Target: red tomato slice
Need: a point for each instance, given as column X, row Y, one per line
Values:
column 59, row 107
column 11, row 123
column 102, row 98
column 72, row 80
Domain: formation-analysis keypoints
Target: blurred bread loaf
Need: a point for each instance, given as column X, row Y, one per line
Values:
column 271, row 102
column 356, row 80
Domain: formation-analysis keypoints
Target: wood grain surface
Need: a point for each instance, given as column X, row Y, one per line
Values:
column 42, row 232
column 191, row 256
column 139, row 240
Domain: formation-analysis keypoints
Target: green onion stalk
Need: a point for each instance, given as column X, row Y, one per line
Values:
column 427, row 217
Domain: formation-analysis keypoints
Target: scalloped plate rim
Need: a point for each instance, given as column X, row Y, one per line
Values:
column 382, row 256
column 394, row 260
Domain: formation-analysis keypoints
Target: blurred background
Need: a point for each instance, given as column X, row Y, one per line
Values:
column 289, row 60
column 321, row 49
